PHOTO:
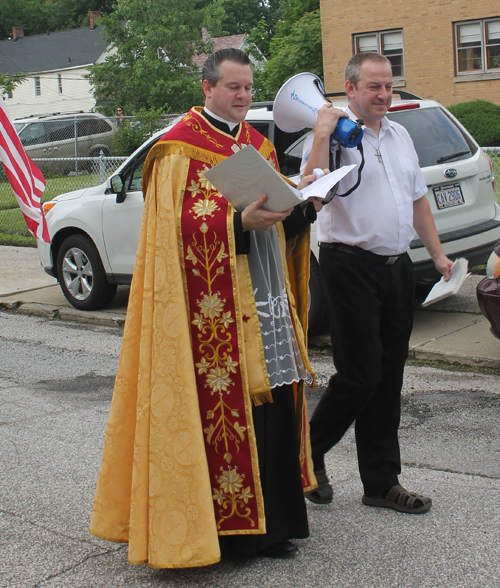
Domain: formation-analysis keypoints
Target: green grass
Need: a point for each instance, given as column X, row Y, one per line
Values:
column 12, row 222
column 17, row 240
column 13, row 229
column 55, row 186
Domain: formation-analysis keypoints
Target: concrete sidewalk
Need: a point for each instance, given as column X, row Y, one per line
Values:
column 453, row 330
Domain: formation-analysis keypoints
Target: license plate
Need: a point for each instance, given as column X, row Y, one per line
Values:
column 448, row 196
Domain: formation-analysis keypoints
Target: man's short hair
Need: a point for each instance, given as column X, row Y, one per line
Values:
column 211, row 70
column 352, row 70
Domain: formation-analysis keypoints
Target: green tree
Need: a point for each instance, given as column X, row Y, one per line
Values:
column 151, row 63
column 297, row 51
column 8, row 83
column 241, row 15
column 258, row 18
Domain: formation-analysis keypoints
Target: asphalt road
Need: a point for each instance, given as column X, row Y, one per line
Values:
column 56, row 383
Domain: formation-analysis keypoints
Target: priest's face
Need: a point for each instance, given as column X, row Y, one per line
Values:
column 231, row 96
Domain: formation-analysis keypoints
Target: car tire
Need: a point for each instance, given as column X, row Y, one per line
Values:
column 318, row 311
column 81, row 274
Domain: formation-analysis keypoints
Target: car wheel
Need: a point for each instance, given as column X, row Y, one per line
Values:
column 318, row 311
column 81, row 274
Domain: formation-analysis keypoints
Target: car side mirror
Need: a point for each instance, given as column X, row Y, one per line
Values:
column 118, row 188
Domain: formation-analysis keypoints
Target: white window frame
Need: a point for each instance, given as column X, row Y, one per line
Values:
column 484, row 65
column 38, row 87
column 379, row 49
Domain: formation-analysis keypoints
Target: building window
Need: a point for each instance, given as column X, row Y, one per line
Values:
column 38, row 90
column 389, row 43
column 9, row 95
column 59, row 84
column 477, row 45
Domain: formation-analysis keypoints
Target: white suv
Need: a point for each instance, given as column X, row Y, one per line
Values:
column 95, row 231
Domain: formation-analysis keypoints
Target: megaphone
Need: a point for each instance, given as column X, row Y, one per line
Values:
column 296, row 107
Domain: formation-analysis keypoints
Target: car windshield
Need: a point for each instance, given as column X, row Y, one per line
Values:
column 18, row 126
column 436, row 136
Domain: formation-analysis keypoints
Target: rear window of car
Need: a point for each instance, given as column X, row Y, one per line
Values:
column 436, row 137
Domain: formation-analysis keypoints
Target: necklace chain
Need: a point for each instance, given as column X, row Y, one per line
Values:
column 377, row 149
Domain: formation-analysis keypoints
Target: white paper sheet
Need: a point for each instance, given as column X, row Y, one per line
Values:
column 245, row 176
column 443, row 289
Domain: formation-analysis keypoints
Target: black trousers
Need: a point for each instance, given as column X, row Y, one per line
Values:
column 371, row 314
column 279, row 466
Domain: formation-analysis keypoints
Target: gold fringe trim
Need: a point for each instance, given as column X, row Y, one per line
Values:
column 260, row 398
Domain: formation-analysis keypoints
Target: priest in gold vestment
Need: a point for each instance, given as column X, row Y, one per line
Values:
column 207, row 445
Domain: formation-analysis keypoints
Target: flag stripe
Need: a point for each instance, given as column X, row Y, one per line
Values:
column 25, row 178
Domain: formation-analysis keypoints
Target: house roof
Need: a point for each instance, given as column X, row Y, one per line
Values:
column 228, row 42
column 59, row 50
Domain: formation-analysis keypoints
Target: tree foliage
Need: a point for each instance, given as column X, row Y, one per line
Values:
column 257, row 18
column 40, row 16
column 481, row 119
column 9, row 82
column 151, row 62
column 132, row 134
column 295, row 48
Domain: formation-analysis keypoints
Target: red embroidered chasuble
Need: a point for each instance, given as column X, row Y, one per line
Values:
column 205, row 231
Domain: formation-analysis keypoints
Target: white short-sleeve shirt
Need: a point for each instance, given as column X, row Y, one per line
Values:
column 378, row 215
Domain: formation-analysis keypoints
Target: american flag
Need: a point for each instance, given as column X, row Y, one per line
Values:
column 25, row 178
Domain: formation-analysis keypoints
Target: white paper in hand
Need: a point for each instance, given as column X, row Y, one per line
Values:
column 321, row 187
column 443, row 289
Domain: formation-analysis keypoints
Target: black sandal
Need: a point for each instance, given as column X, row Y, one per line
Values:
column 323, row 494
column 400, row 499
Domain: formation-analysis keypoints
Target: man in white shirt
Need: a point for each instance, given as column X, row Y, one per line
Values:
column 368, row 279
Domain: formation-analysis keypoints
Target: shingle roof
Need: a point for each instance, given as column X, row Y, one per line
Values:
column 59, row 50
column 228, row 42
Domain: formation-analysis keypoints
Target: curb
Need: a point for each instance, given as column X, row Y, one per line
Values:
column 117, row 320
column 61, row 313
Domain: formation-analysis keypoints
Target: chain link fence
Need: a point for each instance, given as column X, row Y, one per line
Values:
column 73, row 151
column 494, row 153
column 85, row 172
column 65, row 174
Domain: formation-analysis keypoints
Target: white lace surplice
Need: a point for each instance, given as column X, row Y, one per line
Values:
column 281, row 350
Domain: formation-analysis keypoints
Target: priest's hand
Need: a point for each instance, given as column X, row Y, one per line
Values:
column 257, row 218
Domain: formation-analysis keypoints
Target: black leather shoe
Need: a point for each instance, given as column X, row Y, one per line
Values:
column 280, row 550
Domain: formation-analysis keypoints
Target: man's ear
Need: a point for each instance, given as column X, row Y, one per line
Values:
column 207, row 88
column 350, row 88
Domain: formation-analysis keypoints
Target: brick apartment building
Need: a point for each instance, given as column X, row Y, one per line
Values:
column 446, row 50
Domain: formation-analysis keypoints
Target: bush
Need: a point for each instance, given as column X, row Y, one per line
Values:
column 481, row 119
column 133, row 132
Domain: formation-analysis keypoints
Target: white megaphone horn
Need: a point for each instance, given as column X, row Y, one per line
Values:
column 297, row 103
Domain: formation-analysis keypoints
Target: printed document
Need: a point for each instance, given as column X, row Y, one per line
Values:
column 245, row 176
